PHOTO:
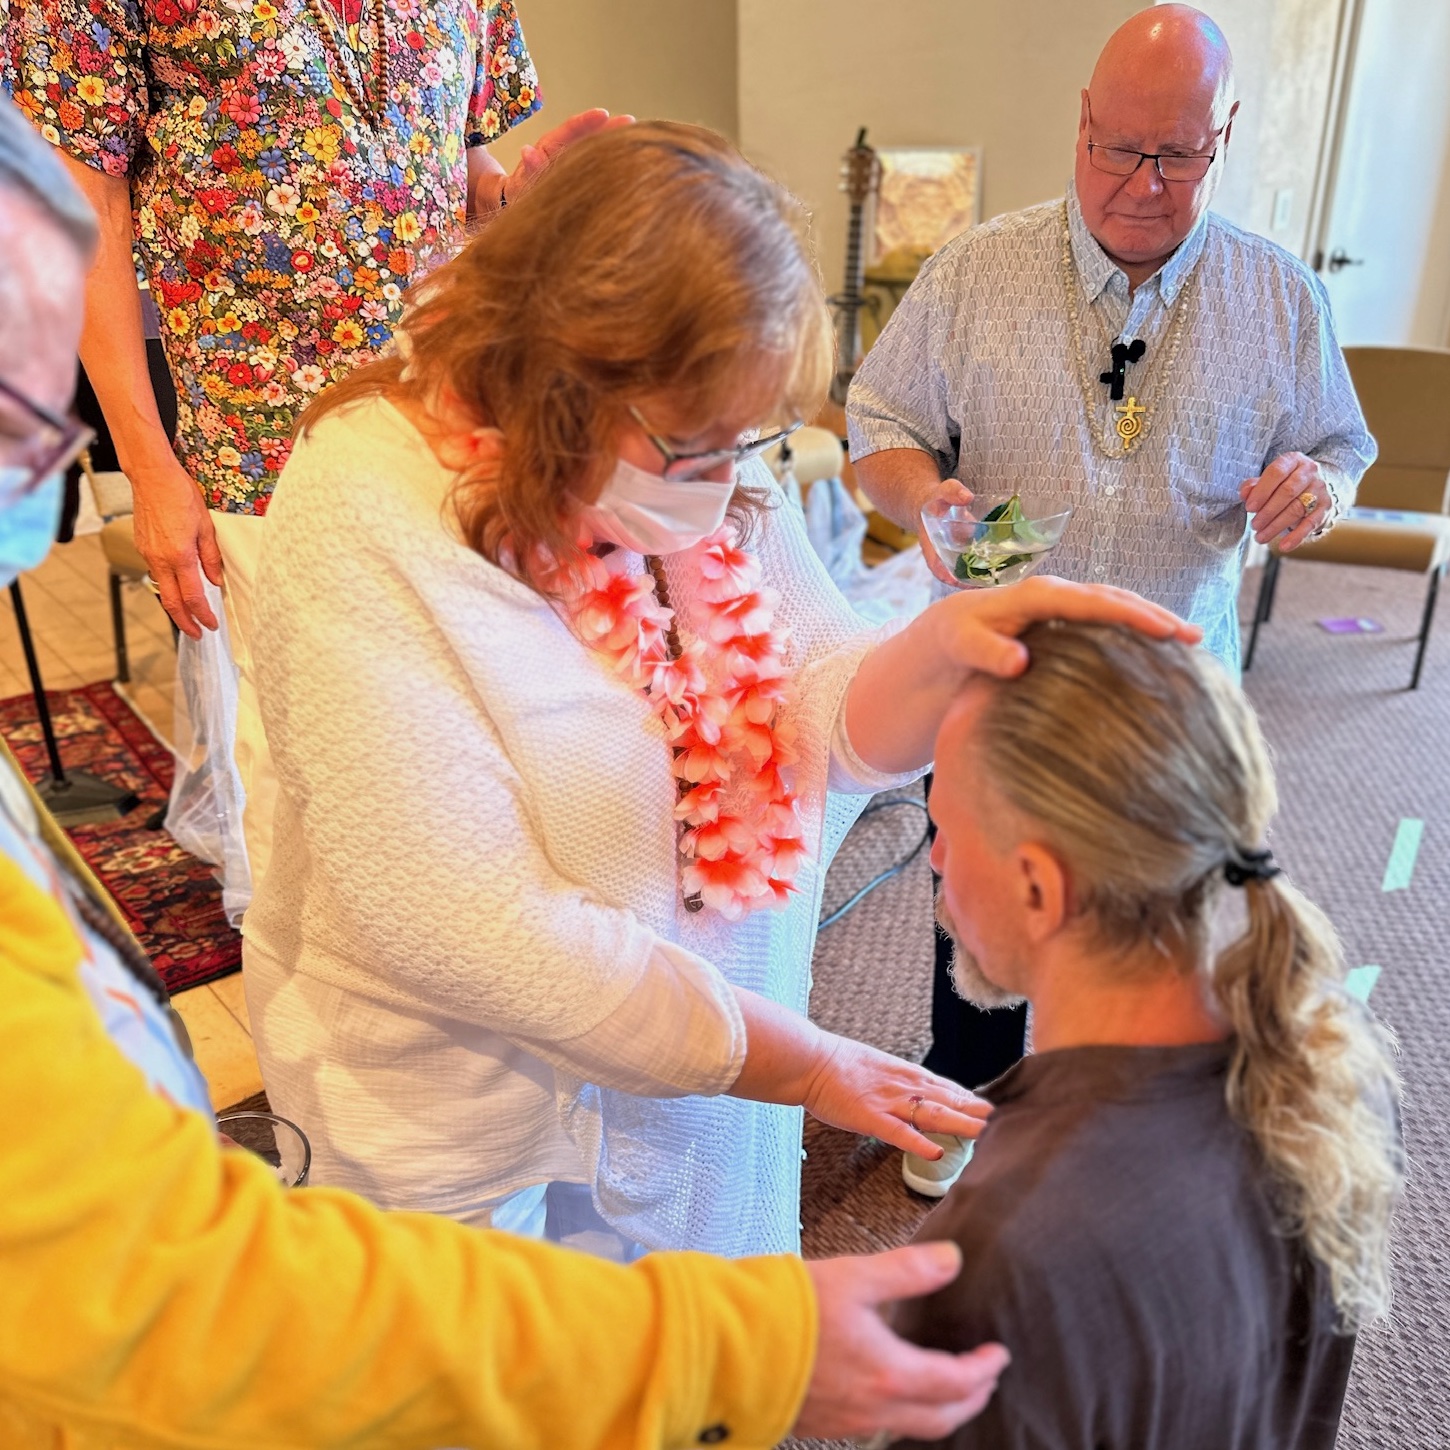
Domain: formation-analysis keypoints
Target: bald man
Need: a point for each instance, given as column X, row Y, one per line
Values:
column 1124, row 351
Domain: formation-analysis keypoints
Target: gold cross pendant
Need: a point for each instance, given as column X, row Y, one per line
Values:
column 1131, row 423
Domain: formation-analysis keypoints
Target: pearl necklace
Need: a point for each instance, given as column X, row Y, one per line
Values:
column 368, row 106
column 1133, row 416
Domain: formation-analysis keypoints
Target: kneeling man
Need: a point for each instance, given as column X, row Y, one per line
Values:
column 1179, row 1211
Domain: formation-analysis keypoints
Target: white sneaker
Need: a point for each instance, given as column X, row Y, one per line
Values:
column 933, row 1179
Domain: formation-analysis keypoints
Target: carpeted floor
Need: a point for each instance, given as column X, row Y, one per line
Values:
column 171, row 900
column 1357, row 754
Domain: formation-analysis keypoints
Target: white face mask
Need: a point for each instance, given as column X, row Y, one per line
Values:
column 642, row 511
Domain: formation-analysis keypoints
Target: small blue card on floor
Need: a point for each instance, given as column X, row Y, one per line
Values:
column 1351, row 626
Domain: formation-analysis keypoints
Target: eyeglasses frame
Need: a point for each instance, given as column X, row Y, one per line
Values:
column 1156, row 157
column 74, row 439
column 702, row 462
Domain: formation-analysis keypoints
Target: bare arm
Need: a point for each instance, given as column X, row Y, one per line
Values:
column 486, row 178
column 490, row 187
column 788, row 1059
column 899, row 481
column 173, row 529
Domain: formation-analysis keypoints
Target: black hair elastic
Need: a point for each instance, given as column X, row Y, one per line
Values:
column 1245, row 866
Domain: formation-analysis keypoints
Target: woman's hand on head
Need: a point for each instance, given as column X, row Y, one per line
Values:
column 870, row 1092
column 978, row 628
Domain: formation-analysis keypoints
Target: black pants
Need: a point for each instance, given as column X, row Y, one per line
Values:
column 969, row 1045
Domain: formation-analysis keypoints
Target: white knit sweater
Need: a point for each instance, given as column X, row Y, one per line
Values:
column 475, row 867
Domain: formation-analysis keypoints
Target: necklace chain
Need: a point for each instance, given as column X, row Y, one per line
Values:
column 369, row 100
column 692, row 901
column 1133, row 415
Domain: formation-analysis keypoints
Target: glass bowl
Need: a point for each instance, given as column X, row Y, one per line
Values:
column 991, row 541
column 279, row 1142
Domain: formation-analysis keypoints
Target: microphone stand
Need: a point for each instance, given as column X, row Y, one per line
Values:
column 75, row 798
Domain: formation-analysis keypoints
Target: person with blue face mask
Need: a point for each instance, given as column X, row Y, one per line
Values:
column 31, row 501
column 159, row 1290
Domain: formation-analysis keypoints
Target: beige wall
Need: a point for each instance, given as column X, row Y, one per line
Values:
column 792, row 80
column 920, row 72
column 671, row 58
column 1284, row 60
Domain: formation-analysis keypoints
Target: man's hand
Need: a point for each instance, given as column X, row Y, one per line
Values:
column 898, row 481
column 866, row 1380
column 867, row 1091
column 175, row 536
column 534, row 158
column 1277, row 501
column 958, row 495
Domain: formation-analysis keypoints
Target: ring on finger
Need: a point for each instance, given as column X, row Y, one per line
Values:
column 1309, row 501
column 916, row 1102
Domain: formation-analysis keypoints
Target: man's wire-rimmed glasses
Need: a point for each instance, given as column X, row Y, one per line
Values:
column 1172, row 166
column 682, row 467
column 34, row 444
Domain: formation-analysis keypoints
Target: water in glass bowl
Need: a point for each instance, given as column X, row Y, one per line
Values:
column 991, row 543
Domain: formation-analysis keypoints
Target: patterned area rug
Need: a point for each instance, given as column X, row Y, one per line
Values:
column 171, row 900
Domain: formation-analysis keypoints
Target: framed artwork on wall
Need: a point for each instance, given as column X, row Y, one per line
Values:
column 927, row 195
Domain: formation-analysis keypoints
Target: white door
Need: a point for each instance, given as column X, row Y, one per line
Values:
column 1383, row 244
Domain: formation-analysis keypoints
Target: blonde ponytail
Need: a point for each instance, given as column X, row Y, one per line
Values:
column 1311, row 1077
column 1143, row 766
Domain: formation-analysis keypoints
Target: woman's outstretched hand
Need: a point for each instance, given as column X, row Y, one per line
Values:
column 903, row 688
column 870, row 1092
column 977, row 629
column 867, row 1381
column 788, row 1059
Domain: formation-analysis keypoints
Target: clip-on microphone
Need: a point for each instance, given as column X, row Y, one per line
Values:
column 1123, row 354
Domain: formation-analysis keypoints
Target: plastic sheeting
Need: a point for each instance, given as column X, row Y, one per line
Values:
column 205, row 812
column 901, row 587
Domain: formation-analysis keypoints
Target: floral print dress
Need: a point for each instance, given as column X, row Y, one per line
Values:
column 278, row 223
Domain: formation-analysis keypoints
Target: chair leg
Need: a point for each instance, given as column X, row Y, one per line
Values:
column 1425, row 621
column 1262, row 605
column 1271, row 577
column 118, row 629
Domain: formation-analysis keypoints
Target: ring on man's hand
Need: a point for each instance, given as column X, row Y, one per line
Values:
column 1309, row 501
column 916, row 1102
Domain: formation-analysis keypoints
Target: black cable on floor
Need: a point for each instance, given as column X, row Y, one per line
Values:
column 886, row 875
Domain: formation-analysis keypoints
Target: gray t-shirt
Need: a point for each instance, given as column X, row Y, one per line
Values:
column 1119, row 1239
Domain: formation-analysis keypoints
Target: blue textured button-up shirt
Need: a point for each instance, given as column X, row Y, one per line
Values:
column 975, row 367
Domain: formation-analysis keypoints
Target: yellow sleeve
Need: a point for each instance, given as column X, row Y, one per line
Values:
column 156, row 1290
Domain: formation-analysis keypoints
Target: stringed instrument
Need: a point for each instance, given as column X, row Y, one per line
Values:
column 860, row 176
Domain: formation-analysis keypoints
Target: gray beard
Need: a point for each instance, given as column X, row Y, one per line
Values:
column 972, row 983
column 968, row 978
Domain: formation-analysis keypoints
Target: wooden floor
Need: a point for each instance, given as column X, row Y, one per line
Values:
column 68, row 605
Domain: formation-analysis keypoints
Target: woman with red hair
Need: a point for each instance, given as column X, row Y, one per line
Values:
column 568, row 721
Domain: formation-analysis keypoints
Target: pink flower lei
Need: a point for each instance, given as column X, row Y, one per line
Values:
column 720, row 697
